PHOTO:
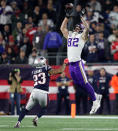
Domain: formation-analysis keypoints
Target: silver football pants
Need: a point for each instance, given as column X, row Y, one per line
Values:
column 37, row 97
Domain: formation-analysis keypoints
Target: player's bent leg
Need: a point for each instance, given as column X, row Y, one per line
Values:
column 90, row 91
column 42, row 99
column 95, row 98
column 79, row 75
column 25, row 111
column 96, row 104
column 42, row 112
column 21, row 116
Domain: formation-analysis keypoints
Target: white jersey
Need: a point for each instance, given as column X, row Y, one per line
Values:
column 75, row 44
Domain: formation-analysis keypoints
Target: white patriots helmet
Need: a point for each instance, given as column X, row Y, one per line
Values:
column 40, row 61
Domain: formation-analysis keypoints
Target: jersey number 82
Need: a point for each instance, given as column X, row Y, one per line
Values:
column 73, row 42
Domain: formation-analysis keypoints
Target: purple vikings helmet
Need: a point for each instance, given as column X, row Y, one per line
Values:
column 78, row 27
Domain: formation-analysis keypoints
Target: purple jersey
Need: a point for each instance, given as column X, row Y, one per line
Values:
column 41, row 78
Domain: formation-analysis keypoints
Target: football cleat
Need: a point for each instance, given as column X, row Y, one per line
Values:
column 17, row 125
column 35, row 121
column 96, row 104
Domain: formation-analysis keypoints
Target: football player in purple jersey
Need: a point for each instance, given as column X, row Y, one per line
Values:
column 76, row 40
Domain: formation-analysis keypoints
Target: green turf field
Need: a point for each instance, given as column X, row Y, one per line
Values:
column 61, row 124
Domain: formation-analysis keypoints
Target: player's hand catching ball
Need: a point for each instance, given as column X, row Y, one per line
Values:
column 82, row 13
column 68, row 9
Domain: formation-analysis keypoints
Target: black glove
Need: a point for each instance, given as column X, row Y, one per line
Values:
column 69, row 9
column 82, row 13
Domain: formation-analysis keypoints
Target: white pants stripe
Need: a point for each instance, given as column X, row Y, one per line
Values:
column 83, row 72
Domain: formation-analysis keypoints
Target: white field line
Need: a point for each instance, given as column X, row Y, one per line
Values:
column 62, row 116
column 89, row 129
column 12, row 126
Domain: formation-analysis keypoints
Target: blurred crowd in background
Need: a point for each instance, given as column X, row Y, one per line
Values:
column 30, row 28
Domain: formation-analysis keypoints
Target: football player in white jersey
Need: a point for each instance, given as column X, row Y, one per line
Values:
column 39, row 95
column 75, row 45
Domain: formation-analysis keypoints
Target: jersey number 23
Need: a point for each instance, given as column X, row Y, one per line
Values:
column 39, row 78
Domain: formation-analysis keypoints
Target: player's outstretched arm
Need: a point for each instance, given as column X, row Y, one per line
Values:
column 60, row 70
column 57, row 71
column 86, row 29
column 68, row 10
column 63, row 28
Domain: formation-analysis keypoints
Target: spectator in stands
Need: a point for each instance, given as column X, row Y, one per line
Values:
column 42, row 3
column 89, row 15
column 12, row 45
column 114, row 85
column 27, row 9
column 21, row 59
column 38, row 39
column 51, row 12
column 1, row 47
column 91, row 48
column 52, row 43
column 114, row 49
column 95, row 5
column 93, row 27
column 11, row 55
column 103, row 48
column 24, row 31
column 4, row 59
column 101, row 28
column 30, row 32
column 63, row 82
column 36, row 15
column 93, row 16
column 15, row 81
column 17, row 16
column 33, row 56
column 25, row 45
column 81, row 97
column 112, row 37
column 17, row 33
column 45, row 22
column 2, row 44
column 103, row 80
column 113, row 16
column 14, row 6
column 28, row 14
column 107, row 5
column 6, row 33
column 5, row 14
column 30, row 20
column 92, row 78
